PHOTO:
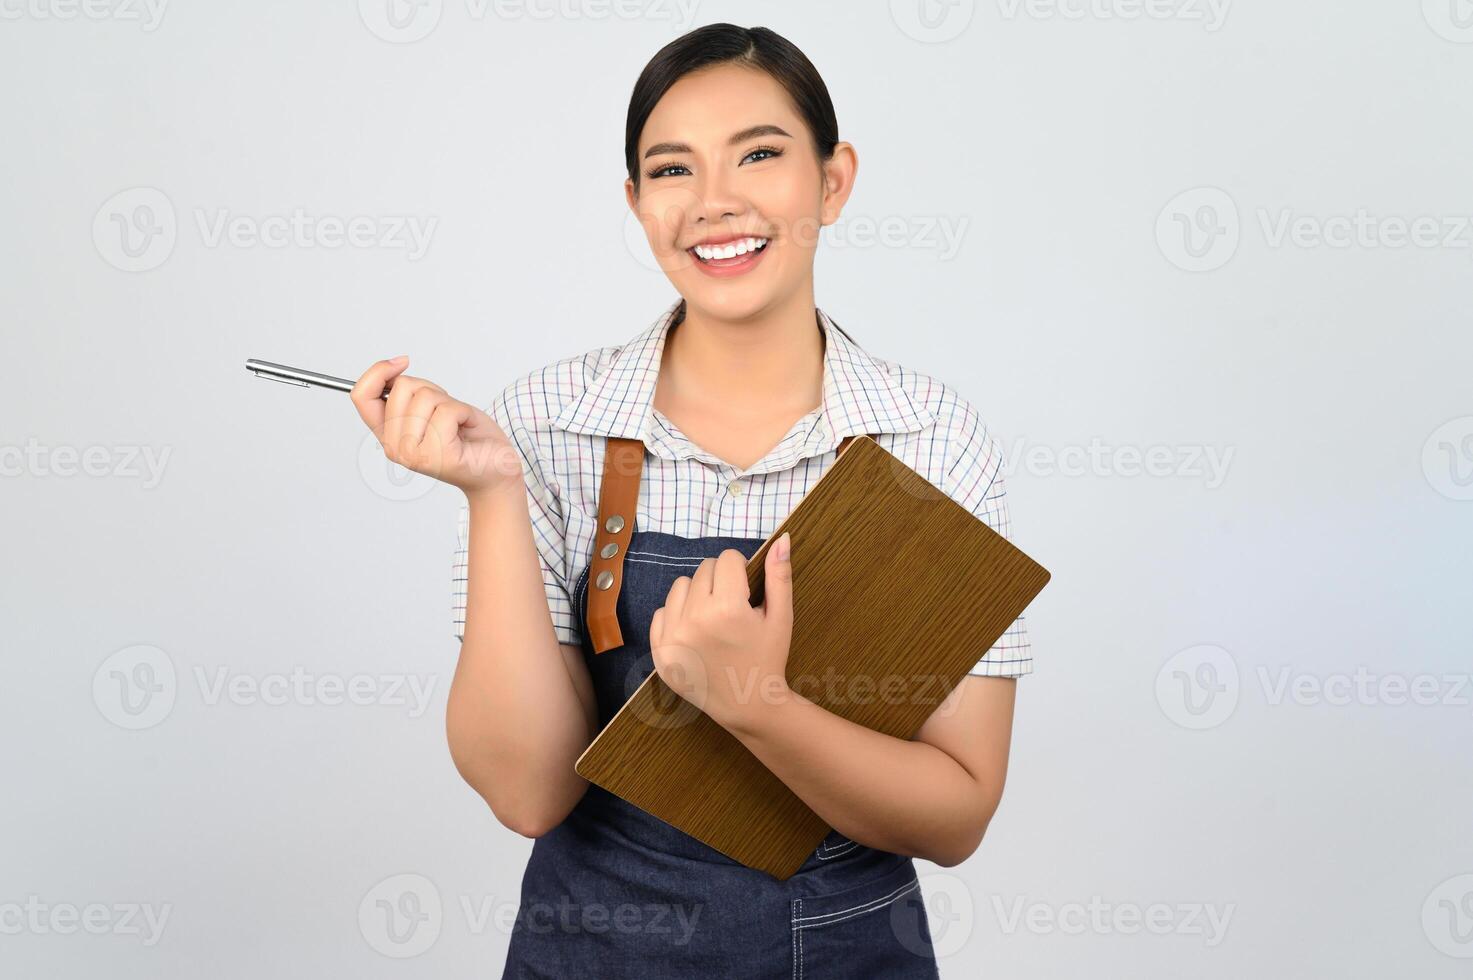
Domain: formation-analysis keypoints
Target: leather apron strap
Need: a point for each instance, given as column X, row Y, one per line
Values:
column 618, row 496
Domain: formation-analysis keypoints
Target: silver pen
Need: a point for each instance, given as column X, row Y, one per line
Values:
column 301, row 376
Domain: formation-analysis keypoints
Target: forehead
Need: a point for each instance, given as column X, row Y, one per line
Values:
column 707, row 106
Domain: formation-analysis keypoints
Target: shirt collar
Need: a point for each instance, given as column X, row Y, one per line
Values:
column 859, row 396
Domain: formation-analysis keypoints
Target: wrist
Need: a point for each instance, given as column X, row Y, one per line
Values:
column 497, row 494
column 747, row 716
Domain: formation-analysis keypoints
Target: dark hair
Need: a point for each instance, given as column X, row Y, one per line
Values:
column 714, row 44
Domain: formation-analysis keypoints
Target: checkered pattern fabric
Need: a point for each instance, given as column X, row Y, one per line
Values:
column 561, row 415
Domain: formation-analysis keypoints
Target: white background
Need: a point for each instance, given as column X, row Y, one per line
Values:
column 1147, row 204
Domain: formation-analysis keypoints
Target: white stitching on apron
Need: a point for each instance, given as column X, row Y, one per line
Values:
column 828, row 918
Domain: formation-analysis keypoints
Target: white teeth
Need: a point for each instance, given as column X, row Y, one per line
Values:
column 730, row 250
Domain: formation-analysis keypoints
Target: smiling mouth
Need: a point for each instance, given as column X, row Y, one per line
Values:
column 730, row 252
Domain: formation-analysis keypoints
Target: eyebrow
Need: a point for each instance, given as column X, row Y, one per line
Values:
column 751, row 132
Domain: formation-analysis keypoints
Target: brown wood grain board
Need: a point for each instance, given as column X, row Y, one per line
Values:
column 897, row 590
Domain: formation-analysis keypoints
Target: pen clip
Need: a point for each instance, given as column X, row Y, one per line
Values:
column 285, row 381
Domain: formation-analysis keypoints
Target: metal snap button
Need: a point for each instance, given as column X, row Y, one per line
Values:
column 605, row 579
column 609, row 550
column 614, row 524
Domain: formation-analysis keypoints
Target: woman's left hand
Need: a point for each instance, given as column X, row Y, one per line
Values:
column 716, row 650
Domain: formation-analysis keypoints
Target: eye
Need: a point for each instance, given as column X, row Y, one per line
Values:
column 771, row 152
column 660, row 171
column 765, row 149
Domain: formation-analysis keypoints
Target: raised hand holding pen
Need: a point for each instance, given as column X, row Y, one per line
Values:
column 424, row 429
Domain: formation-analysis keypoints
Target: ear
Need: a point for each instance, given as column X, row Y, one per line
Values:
column 839, row 172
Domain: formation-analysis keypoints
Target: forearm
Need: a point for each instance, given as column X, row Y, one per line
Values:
column 893, row 794
column 515, row 722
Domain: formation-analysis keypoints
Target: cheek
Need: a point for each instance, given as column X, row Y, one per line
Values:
column 793, row 210
column 664, row 214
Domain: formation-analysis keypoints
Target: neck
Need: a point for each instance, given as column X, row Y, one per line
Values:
column 773, row 358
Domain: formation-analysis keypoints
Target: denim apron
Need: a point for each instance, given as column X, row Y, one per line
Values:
column 613, row 892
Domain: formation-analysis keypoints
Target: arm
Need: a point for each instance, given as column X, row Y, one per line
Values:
column 521, row 706
column 930, row 797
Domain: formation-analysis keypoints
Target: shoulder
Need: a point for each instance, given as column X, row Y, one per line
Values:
column 966, row 453
column 532, row 399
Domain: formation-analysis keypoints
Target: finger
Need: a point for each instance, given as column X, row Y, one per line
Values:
column 416, row 422
column 656, row 629
column 675, row 600
column 396, row 411
column 367, row 391
column 777, row 606
column 445, row 420
column 731, row 575
column 703, row 582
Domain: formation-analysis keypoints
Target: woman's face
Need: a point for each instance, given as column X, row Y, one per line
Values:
column 725, row 158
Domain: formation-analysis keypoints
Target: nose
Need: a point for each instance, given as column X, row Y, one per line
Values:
column 719, row 198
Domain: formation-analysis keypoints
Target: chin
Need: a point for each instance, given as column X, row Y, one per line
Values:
column 730, row 304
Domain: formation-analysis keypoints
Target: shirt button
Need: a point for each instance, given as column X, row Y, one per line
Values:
column 735, row 488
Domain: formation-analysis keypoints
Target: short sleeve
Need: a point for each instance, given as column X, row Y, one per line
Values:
column 975, row 480
column 549, row 525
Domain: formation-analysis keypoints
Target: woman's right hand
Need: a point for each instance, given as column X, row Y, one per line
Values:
column 423, row 429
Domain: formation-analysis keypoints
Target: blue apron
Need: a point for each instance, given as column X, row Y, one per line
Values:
column 613, row 892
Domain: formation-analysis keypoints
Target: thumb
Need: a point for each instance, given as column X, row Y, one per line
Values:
column 778, row 572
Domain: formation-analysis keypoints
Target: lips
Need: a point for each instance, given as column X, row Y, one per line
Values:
column 732, row 248
column 734, row 257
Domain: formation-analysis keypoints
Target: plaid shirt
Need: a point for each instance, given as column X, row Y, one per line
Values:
column 560, row 416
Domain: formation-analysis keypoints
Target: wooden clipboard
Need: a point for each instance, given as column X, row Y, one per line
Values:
column 897, row 590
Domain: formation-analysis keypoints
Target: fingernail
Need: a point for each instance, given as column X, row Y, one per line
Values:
column 401, row 357
column 784, row 547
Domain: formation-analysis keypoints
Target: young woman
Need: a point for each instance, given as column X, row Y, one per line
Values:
column 741, row 394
